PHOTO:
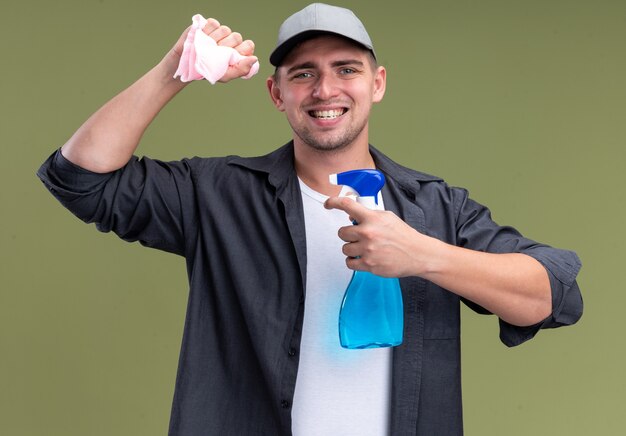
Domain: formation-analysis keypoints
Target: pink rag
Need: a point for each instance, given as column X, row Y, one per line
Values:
column 202, row 58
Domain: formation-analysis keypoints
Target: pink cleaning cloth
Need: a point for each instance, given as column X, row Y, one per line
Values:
column 202, row 58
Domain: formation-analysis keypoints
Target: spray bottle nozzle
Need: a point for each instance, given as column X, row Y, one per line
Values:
column 366, row 183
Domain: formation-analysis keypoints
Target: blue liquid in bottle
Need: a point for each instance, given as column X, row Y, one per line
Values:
column 371, row 314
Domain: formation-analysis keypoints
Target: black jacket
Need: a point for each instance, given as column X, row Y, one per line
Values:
column 239, row 223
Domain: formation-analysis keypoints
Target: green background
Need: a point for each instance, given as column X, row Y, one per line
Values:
column 521, row 102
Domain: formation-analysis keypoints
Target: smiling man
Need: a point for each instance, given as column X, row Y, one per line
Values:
column 261, row 352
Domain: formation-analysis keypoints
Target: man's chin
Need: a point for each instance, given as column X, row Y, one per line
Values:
column 326, row 145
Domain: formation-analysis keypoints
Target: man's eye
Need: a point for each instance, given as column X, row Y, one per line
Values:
column 303, row 76
column 348, row 71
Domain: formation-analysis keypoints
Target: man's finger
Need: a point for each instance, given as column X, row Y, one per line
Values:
column 356, row 211
column 348, row 234
column 240, row 69
column 220, row 33
column 245, row 65
column 352, row 249
column 232, row 40
column 355, row 263
column 211, row 25
column 246, row 48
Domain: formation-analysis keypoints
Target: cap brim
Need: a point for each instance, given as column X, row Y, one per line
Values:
column 280, row 52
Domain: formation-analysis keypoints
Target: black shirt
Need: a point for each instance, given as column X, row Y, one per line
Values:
column 239, row 223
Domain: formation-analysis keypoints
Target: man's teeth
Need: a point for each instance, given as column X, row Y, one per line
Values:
column 327, row 114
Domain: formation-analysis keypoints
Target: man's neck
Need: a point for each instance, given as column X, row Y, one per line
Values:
column 314, row 166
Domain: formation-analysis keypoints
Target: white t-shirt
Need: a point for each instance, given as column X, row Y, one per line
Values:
column 339, row 392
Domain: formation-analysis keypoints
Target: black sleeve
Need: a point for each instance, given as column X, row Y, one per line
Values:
column 147, row 200
column 477, row 231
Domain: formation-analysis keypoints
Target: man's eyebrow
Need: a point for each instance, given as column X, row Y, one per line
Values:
column 341, row 63
column 334, row 64
column 302, row 66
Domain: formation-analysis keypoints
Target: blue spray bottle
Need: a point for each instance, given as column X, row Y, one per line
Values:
column 371, row 314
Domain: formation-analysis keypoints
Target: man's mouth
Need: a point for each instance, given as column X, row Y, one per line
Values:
column 328, row 114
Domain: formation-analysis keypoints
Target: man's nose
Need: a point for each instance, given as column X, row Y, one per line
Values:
column 325, row 87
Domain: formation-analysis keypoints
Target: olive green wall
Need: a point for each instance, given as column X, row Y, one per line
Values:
column 521, row 102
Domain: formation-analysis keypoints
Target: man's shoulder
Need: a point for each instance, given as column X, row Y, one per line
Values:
column 202, row 164
column 401, row 173
column 282, row 157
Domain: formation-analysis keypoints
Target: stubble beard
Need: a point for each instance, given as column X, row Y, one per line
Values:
column 329, row 143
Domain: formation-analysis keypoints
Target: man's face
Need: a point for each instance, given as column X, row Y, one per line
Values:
column 326, row 86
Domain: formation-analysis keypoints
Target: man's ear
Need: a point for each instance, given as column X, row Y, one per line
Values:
column 275, row 94
column 380, row 84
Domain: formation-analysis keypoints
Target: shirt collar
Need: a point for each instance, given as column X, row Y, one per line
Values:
column 279, row 165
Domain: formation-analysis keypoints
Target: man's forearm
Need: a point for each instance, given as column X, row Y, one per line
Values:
column 108, row 139
column 513, row 286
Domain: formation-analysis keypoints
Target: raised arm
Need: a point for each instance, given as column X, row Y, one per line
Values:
column 108, row 139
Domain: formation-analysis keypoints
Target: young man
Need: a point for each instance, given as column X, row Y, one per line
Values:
column 260, row 352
